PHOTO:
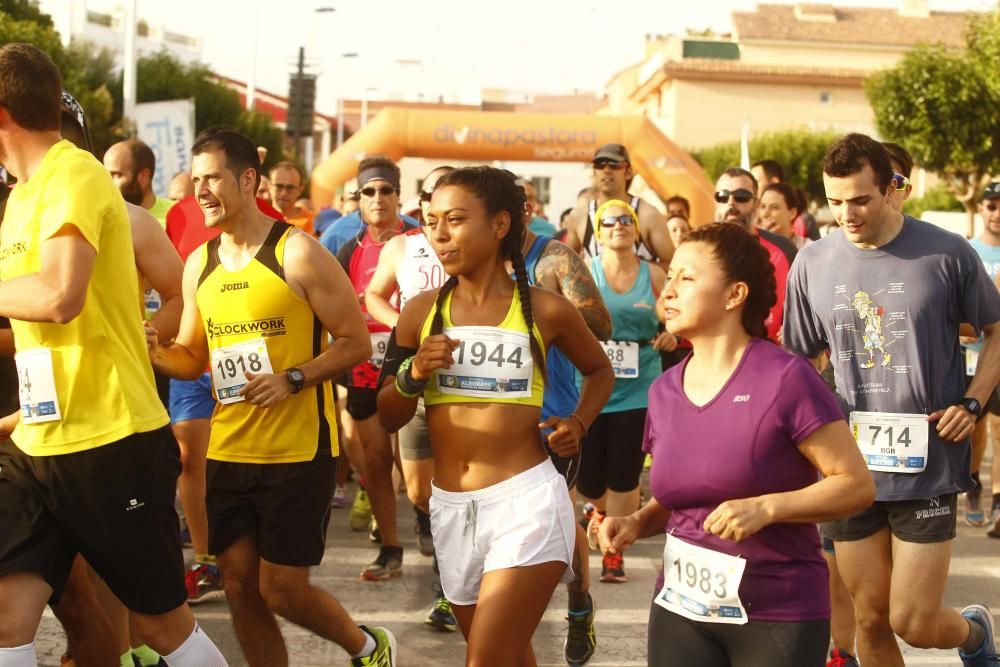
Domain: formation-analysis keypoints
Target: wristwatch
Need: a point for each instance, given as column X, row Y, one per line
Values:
column 972, row 405
column 297, row 378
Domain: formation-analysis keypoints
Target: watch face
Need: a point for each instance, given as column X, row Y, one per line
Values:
column 296, row 375
column 973, row 406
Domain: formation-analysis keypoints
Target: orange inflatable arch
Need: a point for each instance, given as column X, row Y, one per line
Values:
column 485, row 136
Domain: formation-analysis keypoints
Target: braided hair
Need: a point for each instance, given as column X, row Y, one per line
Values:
column 497, row 190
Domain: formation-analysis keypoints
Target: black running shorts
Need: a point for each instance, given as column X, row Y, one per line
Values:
column 923, row 521
column 113, row 504
column 286, row 506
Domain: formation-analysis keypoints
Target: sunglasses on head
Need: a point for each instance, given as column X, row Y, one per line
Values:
column 426, row 196
column 742, row 196
column 610, row 221
column 899, row 181
column 602, row 163
column 385, row 191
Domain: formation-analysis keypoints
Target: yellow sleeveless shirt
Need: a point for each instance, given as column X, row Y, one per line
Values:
column 255, row 303
column 501, row 352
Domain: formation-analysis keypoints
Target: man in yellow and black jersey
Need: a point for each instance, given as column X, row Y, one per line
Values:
column 88, row 468
column 259, row 303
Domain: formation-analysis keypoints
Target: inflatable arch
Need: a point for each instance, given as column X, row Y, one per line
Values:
column 485, row 136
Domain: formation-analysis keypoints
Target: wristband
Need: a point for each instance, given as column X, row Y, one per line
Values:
column 582, row 425
column 405, row 384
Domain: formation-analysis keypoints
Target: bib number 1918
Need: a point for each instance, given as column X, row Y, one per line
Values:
column 230, row 367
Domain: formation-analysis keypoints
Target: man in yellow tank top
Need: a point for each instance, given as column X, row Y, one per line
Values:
column 88, row 469
column 259, row 302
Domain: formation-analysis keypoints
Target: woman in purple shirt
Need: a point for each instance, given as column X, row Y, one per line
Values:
column 740, row 433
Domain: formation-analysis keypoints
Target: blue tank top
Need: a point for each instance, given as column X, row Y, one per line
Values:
column 633, row 318
column 561, row 393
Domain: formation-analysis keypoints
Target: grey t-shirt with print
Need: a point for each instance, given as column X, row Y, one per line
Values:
column 890, row 318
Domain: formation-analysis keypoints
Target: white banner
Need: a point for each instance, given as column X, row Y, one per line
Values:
column 168, row 128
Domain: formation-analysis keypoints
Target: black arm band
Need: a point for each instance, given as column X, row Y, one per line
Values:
column 394, row 356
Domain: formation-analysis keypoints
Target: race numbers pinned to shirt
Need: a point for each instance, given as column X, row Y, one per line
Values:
column 489, row 363
column 624, row 357
column 701, row 584
column 890, row 441
column 37, row 386
column 230, row 365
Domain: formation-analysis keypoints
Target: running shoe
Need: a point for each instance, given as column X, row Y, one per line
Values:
column 361, row 511
column 388, row 564
column 385, row 650
column 986, row 654
column 613, row 569
column 137, row 662
column 841, row 658
column 186, row 537
column 203, row 583
column 374, row 534
column 339, row 499
column 441, row 617
column 581, row 639
column 974, row 514
column 995, row 518
column 67, row 660
column 422, row 527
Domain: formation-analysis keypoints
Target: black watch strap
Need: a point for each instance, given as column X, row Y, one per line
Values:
column 297, row 379
column 972, row 405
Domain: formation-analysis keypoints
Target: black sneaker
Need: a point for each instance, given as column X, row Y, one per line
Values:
column 388, row 564
column 441, row 616
column 422, row 527
column 581, row 639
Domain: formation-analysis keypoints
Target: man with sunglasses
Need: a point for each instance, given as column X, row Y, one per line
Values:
column 736, row 202
column 378, row 185
column 888, row 284
column 613, row 176
column 987, row 246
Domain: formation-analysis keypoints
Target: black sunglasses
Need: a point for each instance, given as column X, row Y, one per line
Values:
column 610, row 221
column 742, row 196
column 602, row 163
column 385, row 191
column 991, row 207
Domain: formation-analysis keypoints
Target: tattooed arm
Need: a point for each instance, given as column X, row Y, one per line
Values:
column 563, row 271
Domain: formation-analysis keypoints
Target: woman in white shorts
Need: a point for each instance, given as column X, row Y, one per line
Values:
column 502, row 520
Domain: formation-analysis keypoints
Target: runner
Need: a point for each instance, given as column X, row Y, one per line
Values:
column 502, row 520
column 286, row 184
column 767, row 172
column 132, row 166
column 738, row 433
column 612, row 456
column 555, row 267
column 378, row 184
column 987, row 246
column 613, row 176
column 88, row 472
column 259, row 301
column 892, row 332
column 678, row 227
column 678, row 206
column 779, row 207
column 736, row 202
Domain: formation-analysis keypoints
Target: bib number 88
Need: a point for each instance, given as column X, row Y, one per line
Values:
column 231, row 366
column 615, row 354
column 701, row 578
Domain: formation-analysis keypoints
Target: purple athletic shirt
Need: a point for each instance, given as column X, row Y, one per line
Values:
column 743, row 443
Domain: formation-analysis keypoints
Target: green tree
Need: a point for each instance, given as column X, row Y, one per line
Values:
column 944, row 108
column 260, row 127
column 799, row 152
column 25, row 10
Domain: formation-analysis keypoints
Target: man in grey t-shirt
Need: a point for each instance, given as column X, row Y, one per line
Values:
column 886, row 294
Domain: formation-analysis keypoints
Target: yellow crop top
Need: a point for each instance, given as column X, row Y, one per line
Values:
column 492, row 364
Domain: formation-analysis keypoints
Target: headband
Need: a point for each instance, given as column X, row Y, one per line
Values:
column 378, row 174
column 608, row 204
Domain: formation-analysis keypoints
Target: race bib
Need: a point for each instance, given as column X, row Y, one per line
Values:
column 380, row 343
column 489, row 363
column 36, row 385
column 701, row 584
column 624, row 357
column 230, row 365
column 153, row 302
column 891, row 442
column 971, row 361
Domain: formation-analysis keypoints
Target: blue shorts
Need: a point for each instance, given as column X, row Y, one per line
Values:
column 191, row 399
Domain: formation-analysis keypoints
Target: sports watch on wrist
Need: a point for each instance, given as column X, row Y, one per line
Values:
column 297, row 378
column 972, row 405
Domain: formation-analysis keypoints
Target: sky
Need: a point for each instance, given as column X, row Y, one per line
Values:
column 450, row 48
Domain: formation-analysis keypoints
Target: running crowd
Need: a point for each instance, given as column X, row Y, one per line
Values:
column 812, row 408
